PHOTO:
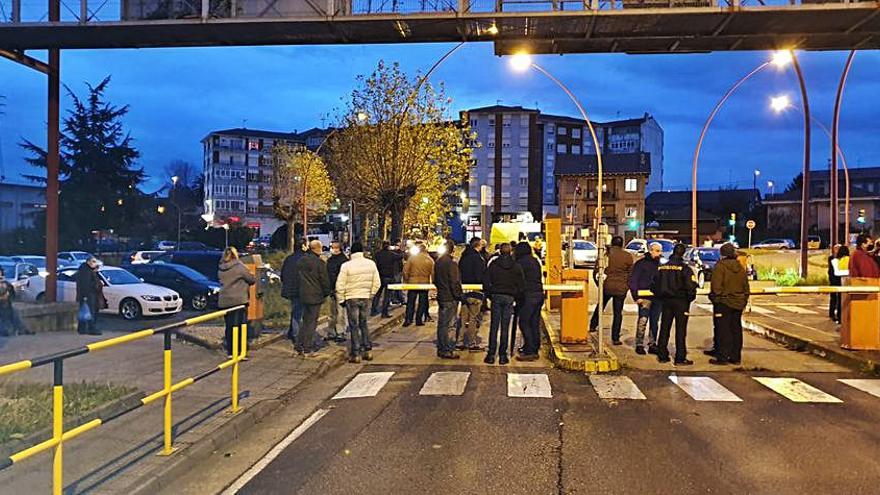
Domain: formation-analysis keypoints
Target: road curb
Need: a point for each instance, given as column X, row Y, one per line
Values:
column 189, row 456
column 827, row 352
column 216, row 346
column 561, row 360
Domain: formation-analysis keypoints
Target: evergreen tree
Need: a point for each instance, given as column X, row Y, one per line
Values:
column 98, row 179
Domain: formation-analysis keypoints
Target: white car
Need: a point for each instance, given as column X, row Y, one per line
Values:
column 639, row 247
column 781, row 244
column 127, row 295
column 74, row 258
column 166, row 245
column 18, row 275
column 585, row 253
column 141, row 257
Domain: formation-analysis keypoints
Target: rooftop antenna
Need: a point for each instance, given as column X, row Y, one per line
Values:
column 498, row 102
column 244, row 123
column 2, row 165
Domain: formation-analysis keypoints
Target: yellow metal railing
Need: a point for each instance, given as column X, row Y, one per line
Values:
column 815, row 289
column 59, row 436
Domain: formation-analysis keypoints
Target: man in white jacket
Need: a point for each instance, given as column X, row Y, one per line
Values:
column 358, row 282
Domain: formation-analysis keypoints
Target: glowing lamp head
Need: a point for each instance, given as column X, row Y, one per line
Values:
column 362, row 117
column 493, row 30
column 781, row 58
column 780, row 103
column 521, row 62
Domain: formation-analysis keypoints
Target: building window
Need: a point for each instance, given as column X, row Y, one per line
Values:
column 575, row 150
column 631, row 185
column 632, row 211
column 505, row 162
column 524, row 181
column 560, row 148
column 491, row 122
column 474, row 122
column 491, row 144
column 524, row 141
column 524, row 121
column 576, row 132
column 524, row 162
column 505, row 144
column 215, row 157
column 550, row 129
column 562, row 131
column 549, row 148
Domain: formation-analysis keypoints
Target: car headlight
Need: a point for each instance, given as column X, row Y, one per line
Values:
column 151, row 298
column 214, row 290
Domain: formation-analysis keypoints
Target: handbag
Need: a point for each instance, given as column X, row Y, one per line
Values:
column 85, row 313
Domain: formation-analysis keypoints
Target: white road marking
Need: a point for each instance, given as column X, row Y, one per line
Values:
column 523, row 385
column 869, row 386
column 703, row 388
column 796, row 390
column 796, row 309
column 707, row 307
column 761, row 311
column 616, row 387
column 630, row 308
column 445, row 383
column 364, row 385
column 276, row 450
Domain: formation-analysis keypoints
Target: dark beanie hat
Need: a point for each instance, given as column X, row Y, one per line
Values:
column 357, row 247
column 728, row 251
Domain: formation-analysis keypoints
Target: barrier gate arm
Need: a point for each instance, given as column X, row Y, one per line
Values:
column 59, row 436
column 816, row 289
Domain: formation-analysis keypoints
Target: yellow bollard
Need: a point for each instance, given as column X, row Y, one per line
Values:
column 58, row 430
column 167, row 448
column 235, row 359
column 244, row 330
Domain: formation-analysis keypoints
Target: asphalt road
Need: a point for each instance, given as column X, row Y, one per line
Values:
column 114, row 323
column 484, row 441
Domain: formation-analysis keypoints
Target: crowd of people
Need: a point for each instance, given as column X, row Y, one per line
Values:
column 864, row 261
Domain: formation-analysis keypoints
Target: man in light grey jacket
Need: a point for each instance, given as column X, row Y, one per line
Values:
column 356, row 285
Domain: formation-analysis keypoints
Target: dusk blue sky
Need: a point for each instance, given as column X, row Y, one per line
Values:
column 177, row 96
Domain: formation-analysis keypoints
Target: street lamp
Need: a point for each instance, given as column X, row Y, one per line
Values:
column 835, row 130
column 770, row 186
column 755, row 180
column 522, row 62
column 779, row 59
column 174, row 180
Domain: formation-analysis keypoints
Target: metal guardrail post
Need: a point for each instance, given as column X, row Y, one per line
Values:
column 235, row 359
column 167, row 448
column 58, row 427
column 244, row 339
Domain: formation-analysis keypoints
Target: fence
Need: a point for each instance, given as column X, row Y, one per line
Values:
column 59, row 436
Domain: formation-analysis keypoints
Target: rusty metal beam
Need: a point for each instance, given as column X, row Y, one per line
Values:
column 25, row 60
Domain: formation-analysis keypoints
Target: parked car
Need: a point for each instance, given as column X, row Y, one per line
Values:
column 639, row 247
column 585, row 254
column 18, row 274
column 205, row 262
column 814, row 242
column 702, row 261
column 165, row 245
column 39, row 262
column 197, row 290
column 782, row 244
column 140, row 257
column 74, row 258
column 127, row 295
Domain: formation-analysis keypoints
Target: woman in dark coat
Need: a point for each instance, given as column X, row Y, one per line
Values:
column 235, row 281
column 89, row 291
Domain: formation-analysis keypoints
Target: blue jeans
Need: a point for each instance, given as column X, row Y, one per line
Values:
column 356, row 309
column 446, row 326
column 384, row 295
column 502, row 311
column 649, row 313
column 296, row 316
column 529, row 311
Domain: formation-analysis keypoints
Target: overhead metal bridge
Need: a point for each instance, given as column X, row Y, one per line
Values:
column 558, row 26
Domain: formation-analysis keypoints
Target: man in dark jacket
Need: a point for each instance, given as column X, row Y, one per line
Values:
column 503, row 284
column 290, row 287
column 675, row 286
column 641, row 278
column 386, row 260
column 729, row 294
column 88, row 288
column 528, row 307
column 334, row 265
column 447, row 280
column 616, row 285
column 473, row 267
column 314, row 287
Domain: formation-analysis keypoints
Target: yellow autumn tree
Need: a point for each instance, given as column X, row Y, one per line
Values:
column 301, row 186
column 398, row 143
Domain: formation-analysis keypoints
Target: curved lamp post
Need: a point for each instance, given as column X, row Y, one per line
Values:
column 522, row 62
column 835, row 130
column 779, row 59
column 780, row 103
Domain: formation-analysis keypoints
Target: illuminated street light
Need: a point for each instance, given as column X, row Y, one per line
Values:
column 521, row 62
column 493, row 30
column 174, row 180
column 781, row 59
column 160, row 209
column 362, row 117
column 780, row 103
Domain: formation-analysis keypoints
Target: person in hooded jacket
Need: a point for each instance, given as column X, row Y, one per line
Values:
column 675, row 286
column 334, row 265
column 529, row 305
column 472, row 266
column 235, row 281
column 503, row 283
column 729, row 294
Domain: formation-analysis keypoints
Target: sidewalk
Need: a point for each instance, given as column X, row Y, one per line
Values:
column 801, row 323
column 119, row 457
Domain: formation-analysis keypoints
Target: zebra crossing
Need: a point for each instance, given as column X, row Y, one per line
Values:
column 607, row 387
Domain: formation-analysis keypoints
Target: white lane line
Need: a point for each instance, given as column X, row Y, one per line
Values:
column 364, row 385
column 276, row 450
column 445, row 383
column 707, row 307
column 616, row 387
column 869, row 386
column 796, row 309
column 761, row 311
column 703, row 388
column 630, row 308
column 525, row 385
column 796, row 390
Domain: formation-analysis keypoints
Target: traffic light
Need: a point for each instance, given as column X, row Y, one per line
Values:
column 634, row 224
column 861, row 217
column 732, row 220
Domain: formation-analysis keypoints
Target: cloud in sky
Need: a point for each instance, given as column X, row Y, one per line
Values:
column 177, row 96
